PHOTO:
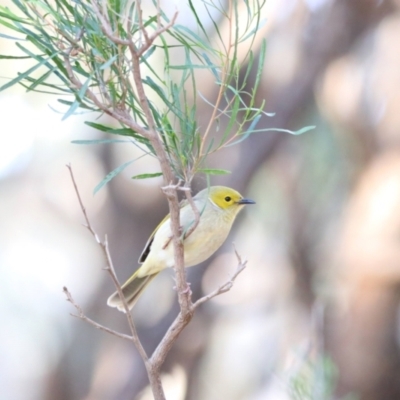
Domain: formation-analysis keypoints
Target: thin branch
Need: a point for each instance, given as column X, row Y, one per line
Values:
column 105, row 25
column 121, row 116
column 156, row 34
column 153, row 371
column 81, row 315
column 195, row 210
column 137, row 79
column 88, row 226
column 140, row 19
column 227, row 285
column 158, row 14
column 184, row 295
column 159, row 31
column 160, row 353
column 102, row 85
column 180, row 322
column 110, row 269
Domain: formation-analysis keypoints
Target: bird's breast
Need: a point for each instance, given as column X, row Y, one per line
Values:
column 206, row 239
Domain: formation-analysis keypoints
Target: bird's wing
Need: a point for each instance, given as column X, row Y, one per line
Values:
column 147, row 246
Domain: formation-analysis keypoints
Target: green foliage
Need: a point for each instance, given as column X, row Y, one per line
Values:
column 210, row 171
column 145, row 176
column 111, row 175
column 86, row 49
column 316, row 380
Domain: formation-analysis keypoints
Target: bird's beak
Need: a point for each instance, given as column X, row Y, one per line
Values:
column 246, row 201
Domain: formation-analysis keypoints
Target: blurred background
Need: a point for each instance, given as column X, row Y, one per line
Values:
column 316, row 313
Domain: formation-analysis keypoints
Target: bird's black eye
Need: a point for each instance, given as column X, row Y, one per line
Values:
column 228, row 199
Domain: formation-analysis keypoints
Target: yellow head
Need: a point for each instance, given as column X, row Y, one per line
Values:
column 225, row 198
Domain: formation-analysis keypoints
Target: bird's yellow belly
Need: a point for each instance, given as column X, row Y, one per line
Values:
column 203, row 243
column 200, row 245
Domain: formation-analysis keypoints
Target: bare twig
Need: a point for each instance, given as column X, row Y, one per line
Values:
column 119, row 115
column 158, row 14
column 227, row 285
column 88, row 226
column 160, row 353
column 140, row 18
column 105, row 25
column 159, row 31
column 81, row 315
column 153, row 370
column 110, row 269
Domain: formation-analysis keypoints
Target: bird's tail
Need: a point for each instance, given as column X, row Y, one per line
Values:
column 131, row 290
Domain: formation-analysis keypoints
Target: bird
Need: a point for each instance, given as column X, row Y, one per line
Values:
column 218, row 207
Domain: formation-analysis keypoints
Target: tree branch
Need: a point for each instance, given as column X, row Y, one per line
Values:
column 122, row 117
column 153, row 371
column 81, row 315
column 160, row 353
column 105, row 25
column 180, row 322
column 110, row 269
column 184, row 295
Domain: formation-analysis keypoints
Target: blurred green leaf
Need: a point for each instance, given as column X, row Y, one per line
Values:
column 145, row 176
column 2, row 57
column 112, row 175
column 26, row 73
column 210, row 171
column 108, row 129
column 303, row 130
column 11, row 38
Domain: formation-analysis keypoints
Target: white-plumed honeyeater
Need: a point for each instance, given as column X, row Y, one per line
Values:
column 218, row 207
